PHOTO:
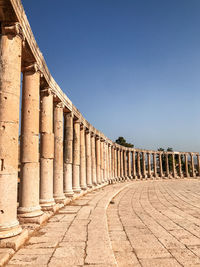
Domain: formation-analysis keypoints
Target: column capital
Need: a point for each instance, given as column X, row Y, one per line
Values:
column 32, row 68
column 47, row 91
column 83, row 127
column 13, row 28
column 68, row 114
column 59, row 105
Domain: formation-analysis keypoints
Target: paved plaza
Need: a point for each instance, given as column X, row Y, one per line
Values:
column 141, row 223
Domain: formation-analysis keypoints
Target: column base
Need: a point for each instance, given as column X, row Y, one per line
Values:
column 69, row 193
column 25, row 212
column 76, row 190
column 47, row 204
column 59, row 199
column 84, row 187
column 10, row 230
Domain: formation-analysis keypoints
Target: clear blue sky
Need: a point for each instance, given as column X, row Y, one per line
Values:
column 132, row 67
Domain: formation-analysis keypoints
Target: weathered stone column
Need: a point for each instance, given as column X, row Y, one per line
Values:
column 129, row 165
column 134, row 165
column 76, row 158
column 46, row 149
column 160, row 165
column 93, row 153
column 186, row 165
column 10, row 73
column 68, row 154
column 167, row 165
column 125, row 164
column 144, row 165
column 101, row 160
column 155, row 165
column 118, row 165
column 98, row 158
column 88, row 159
column 180, row 166
column 149, row 164
column 122, row 165
column 115, row 164
column 192, row 165
column 58, row 190
column 112, row 164
column 198, row 164
column 82, row 159
column 105, row 162
column 29, row 181
column 173, row 165
column 138, row 165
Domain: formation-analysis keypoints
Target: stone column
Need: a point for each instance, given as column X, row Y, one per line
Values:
column 122, row 165
column 125, row 164
column 192, row 165
column 173, row 165
column 160, row 165
column 186, row 165
column 129, row 165
column 76, row 158
column 29, row 181
column 105, row 163
column 93, row 153
column 10, row 73
column 134, row 165
column 198, row 164
column 167, row 165
column 82, row 159
column 180, row 166
column 144, row 165
column 118, row 165
column 68, row 153
column 58, row 190
column 115, row 164
column 138, row 165
column 88, row 159
column 149, row 164
column 98, row 158
column 46, row 149
column 155, row 165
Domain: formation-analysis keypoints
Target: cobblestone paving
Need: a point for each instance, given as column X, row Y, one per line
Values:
column 156, row 223
column 149, row 223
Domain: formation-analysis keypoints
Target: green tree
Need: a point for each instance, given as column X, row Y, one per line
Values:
column 121, row 141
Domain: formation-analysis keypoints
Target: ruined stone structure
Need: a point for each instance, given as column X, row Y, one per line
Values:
column 55, row 167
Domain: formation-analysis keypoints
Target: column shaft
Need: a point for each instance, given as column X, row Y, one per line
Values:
column 144, row 165
column 198, row 164
column 68, row 154
column 58, row 190
column 149, row 164
column 10, row 73
column 173, row 165
column 98, row 160
column 88, row 159
column 155, row 165
column 46, row 150
column 160, row 165
column 192, row 165
column 29, row 182
column 129, row 165
column 167, row 165
column 76, row 158
column 93, row 153
column 186, row 165
column 180, row 166
column 138, row 165
column 134, row 165
column 125, row 164
column 82, row 159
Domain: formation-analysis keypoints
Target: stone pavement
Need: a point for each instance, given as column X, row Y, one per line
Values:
column 148, row 223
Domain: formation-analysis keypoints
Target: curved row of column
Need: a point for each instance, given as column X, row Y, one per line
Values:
column 60, row 153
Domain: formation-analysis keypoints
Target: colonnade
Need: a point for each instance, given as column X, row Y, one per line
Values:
column 61, row 154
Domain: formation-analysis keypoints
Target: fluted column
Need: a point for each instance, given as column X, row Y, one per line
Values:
column 167, row 165
column 93, row 153
column 88, row 159
column 180, row 166
column 76, row 158
column 144, row 165
column 10, row 73
column 192, row 165
column 134, row 165
column 129, row 165
column 138, row 165
column 58, row 189
column 186, row 165
column 98, row 162
column 149, row 164
column 83, row 183
column 160, row 165
column 68, row 154
column 173, row 166
column 29, row 181
column 155, row 165
column 125, row 164
column 46, row 149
